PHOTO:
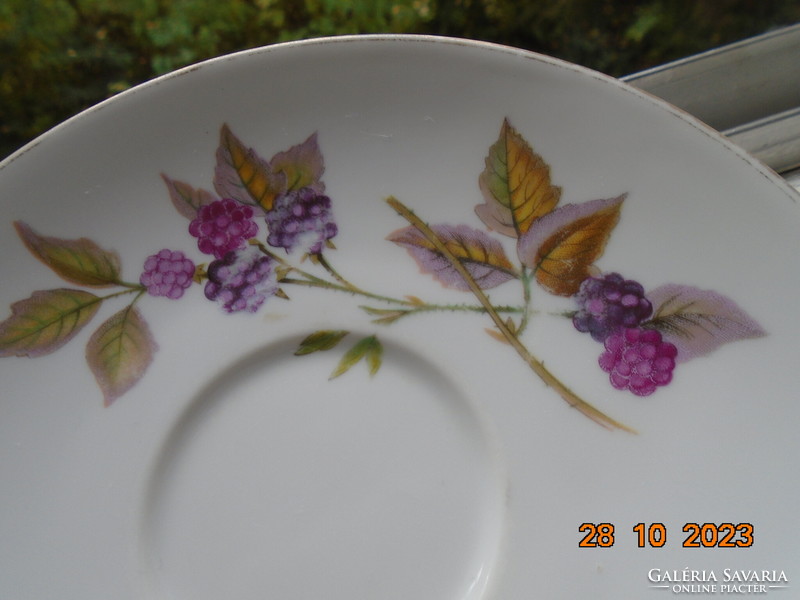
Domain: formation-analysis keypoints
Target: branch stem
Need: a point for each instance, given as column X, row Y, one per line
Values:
column 335, row 274
column 535, row 364
column 129, row 289
column 316, row 282
column 525, row 278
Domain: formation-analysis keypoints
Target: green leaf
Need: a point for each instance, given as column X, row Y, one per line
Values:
column 78, row 261
column 46, row 321
column 119, row 352
column 374, row 355
column 324, row 339
column 369, row 348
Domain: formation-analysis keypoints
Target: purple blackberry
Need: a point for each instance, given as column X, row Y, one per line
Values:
column 223, row 226
column 241, row 281
column 638, row 360
column 608, row 304
column 301, row 218
column 167, row 273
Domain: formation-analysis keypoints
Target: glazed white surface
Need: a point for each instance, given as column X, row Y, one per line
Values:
column 233, row 469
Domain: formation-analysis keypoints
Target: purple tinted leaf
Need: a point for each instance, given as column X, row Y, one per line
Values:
column 496, row 217
column 482, row 256
column 119, row 352
column 699, row 321
column 302, row 165
column 186, row 199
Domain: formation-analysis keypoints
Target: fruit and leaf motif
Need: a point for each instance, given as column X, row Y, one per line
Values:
column 269, row 226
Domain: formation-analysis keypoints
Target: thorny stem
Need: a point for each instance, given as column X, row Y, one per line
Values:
column 535, row 364
column 312, row 281
column 406, row 306
column 392, row 315
column 335, row 274
column 417, row 307
column 409, row 306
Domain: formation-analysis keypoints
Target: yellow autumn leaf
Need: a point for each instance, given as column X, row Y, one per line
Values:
column 562, row 247
column 243, row 175
column 516, row 185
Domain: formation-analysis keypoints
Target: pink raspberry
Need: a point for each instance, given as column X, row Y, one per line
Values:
column 167, row 273
column 223, row 226
column 638, row 360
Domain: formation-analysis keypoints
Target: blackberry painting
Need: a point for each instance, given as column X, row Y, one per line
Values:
column 269, row 226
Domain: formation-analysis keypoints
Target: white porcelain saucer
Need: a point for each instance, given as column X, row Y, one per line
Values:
column 397, row 403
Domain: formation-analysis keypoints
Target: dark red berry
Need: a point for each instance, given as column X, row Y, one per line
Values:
column 223, row 226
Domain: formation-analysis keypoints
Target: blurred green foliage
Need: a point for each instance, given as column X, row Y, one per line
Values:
column 61, row 56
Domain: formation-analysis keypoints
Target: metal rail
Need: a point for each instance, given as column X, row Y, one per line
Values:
column 750, row 91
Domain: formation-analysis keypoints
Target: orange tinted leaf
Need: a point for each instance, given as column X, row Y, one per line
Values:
column 516, row 185
column 386, row 316
column 243, row 175
column 497, row 335
column 562, row 247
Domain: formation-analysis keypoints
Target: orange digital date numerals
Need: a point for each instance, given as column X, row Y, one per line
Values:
column 600, row 535
column 654, row 535
column 724, row 535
